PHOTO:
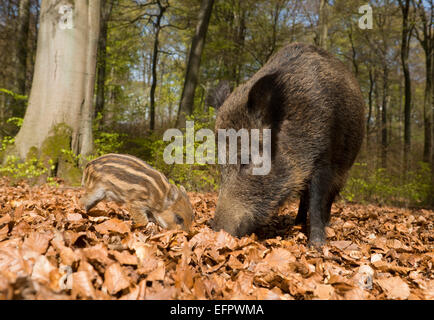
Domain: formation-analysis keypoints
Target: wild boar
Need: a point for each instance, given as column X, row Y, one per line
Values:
column 148, row 193
column 315, row 110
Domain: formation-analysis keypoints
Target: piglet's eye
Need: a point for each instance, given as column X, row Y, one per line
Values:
column 178, row 219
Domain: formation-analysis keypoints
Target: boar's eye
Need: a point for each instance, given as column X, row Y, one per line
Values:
column 178, row 219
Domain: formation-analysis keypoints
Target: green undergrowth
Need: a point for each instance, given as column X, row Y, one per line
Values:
column 55, row 159
column 380, row 186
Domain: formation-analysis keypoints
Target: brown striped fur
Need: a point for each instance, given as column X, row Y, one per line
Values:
column 150, row 196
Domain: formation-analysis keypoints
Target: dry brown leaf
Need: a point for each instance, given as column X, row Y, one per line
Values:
column 158, row 273
column 324, row 292
column 82, row 286
column 356, row 294
column 341, row 244
column 395, row 288
column 4, row 232
column 280, row 260
column 5, row 219
column 115, row 279
column 12, row 261
column 74, row 217
column 42, row 269
column 45, row 237
column 124, row 257
column 225, row 241
column 99, row 253
column 37, row 242
column 113, row 225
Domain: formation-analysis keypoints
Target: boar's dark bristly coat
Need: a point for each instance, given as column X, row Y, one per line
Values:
column 149, row 195
column 315, row 110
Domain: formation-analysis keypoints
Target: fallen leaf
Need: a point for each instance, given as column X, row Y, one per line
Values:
column 82, row 286
column 395, row 288
column 115, row 279
column 112, row 225
column 323, row 292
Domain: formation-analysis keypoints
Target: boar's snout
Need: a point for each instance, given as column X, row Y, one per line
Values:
column 232, row 216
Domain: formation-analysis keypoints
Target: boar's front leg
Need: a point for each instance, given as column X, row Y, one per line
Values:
column 303, row 208
column 321, row 196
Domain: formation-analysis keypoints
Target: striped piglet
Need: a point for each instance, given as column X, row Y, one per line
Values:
column 150, row 196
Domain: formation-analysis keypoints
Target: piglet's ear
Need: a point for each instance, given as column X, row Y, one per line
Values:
column 171, row 196
column 265, row 99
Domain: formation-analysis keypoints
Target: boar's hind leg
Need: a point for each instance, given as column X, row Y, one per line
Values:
column 92, row 198
column 303, row 207
column 331, row 199
column 321, row 197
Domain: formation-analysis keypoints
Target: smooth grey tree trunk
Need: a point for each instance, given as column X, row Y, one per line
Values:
column 64, row 77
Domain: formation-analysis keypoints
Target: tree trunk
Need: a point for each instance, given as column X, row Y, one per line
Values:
column 323, row 27
column 384, row 117
column 154, row 69
column 21, row 46
column 368, row 121
column 353, row 52
column 427, row 109
column 154, row 80
column 186, row 105
column 106, row 8
column 377, row 125
column 64, row 79
column 426, row 40
column 405, row 47
column 432, row 138
column 21, row 55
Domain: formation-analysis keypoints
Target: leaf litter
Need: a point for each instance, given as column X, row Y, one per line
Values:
column 51, row 249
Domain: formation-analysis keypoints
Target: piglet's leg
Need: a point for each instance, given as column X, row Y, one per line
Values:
column 92, row 197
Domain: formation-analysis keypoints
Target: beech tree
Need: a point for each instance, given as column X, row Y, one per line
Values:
column 64, row 77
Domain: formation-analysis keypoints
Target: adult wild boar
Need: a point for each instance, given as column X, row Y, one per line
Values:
column 315, row 110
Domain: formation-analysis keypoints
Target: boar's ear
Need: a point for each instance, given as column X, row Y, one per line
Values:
column 217, row 96
column 265, row 99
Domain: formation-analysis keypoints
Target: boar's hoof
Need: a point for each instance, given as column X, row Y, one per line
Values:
column 300, row 220
column 317, row 238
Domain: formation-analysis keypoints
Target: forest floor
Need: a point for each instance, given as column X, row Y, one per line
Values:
column 51, row 249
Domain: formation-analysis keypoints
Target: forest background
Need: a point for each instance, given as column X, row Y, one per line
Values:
column 80, row 79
